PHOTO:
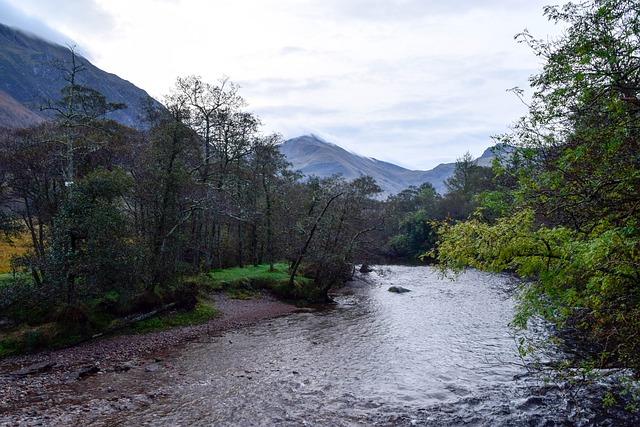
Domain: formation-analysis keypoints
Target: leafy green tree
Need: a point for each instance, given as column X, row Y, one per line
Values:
column 90, row 248
column 574, row 226
column 408, row 216
column 463, row 187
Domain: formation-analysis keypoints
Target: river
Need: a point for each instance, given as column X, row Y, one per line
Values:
column 442, row 354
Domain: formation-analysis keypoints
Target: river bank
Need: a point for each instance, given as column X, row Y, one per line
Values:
column 441, row 354
column 54, row 387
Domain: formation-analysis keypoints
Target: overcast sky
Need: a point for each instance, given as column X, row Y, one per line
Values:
column 414, row 82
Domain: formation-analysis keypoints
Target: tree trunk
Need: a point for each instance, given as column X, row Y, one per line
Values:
column 303, row 251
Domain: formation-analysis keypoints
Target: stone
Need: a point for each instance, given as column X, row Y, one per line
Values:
column 398, row 289
column 87, row 372
column 364, row 268
column 127, row 366
column 153, row 367
column 35, row 368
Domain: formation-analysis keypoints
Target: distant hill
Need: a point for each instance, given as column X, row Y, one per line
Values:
column 14, row 114
column 29, row 77
column 314, row 156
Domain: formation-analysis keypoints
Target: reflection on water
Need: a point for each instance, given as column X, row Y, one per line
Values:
column 441, row 354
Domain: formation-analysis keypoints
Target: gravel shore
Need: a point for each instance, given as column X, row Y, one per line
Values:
column 80, row 385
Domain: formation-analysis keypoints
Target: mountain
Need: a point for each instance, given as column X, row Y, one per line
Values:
column 314, row 156
column 30, row 76
column 14, row 114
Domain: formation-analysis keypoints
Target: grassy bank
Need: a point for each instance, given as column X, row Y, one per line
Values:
column 38, row 325
column 245, row 282
column 201, row 313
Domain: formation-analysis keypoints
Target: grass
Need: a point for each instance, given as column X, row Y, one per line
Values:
column 5, row 279
column 203, row 312
column 259, row 272
column 18, row 246
column 245, row 282
column 9, row 279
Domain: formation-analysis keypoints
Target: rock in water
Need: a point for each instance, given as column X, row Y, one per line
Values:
column 364, row 268
column 399, row 289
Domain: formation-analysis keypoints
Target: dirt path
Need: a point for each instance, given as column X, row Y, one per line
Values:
column 61, row 387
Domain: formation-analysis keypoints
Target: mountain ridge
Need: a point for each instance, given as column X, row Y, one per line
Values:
column 30, row 75
column 313, row 156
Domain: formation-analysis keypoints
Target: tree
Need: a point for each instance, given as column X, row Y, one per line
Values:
column 269, row 167
column 339, row 216
column 574, row 232
column 408, row 217
column 79, row 106
column 207, row 108
column 467, row 182
column 89, row 242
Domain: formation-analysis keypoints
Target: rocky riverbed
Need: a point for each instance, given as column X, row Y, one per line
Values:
column 68, row 386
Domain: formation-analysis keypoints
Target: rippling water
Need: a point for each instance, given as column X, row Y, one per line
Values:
column 441, row 354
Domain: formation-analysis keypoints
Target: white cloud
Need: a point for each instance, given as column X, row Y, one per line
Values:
column 410, row 81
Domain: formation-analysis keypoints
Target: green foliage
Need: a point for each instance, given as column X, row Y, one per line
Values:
column 468, row 178
column 90, row 244
column 589, row 279
column 9, row 346
column 9, row 279
column 114, row 219
column 203, row 312
column 569, row 223
column 27, row 339
column 22, row 300
column 410, row 213
column 417, row 235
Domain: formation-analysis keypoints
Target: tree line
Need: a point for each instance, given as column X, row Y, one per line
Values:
column 118, row 217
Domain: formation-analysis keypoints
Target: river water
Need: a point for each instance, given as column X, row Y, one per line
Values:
column 442, row 354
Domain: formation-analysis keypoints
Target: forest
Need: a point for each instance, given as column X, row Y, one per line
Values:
column 117, row 222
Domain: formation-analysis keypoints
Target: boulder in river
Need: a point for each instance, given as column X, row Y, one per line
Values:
column 365, row 268
column 398, row 289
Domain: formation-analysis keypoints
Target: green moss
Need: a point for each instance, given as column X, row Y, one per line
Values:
column 203, row 312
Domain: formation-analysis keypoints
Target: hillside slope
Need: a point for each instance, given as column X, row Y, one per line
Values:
column 30, row 74
column 14, row 114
